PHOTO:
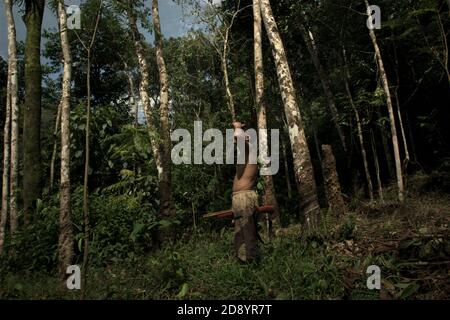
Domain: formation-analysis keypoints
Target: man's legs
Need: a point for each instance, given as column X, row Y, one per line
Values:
column 245, row 237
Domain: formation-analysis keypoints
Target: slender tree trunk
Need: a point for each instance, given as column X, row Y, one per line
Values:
column 55, row 147
column 316, row 142
column 402, row 130
column 65, row 243
column 230, row 98
column 385, row 82
column 32, row 175
column 269, row 188
column 144, row 83
column 14, row 110
column 377, row 166
column 386, row 148
column 324, row 79
column 286, row 169
column 87, row 227
column 359, row 128
column 304, row 171
column 443, row 61
column 145, row 98
column 313, row 125
column 399, row 113
column 133, row 105
column 411, row 138
column 165, row 144
column 6, row 164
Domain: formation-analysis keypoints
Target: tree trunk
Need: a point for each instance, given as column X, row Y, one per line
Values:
column 87, row 226
column 144, row 83
column 411, row 138
column 145, row 98
column 331, row 180
column 65, row 243
column 14, row 109
column 386, row 148
column 165, row 143
column 286, row 169
column 303, row 168
column 269, row 188
column 6, row 164
column 359, row 128
column 32, row 175
column 87, row 230
column 133, row 105
column 377, row 166
column 55, row 147
column 384, row 79
column 326, row 85
column 444, row 60
column 399, row 113
column 230, row 98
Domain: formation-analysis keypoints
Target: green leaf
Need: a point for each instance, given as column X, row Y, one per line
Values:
column 409, row 290
column 136, row 229
column 183, row 291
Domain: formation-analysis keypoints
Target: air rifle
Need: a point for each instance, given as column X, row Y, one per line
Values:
column 229, row 213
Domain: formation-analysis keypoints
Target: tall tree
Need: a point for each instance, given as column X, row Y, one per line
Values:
column 308, row 37
column 5, row 175
column 397, row 102
column 269, row 188
column 358, row 125
column 65, row 243
column 6, row 163
column 32, row 175
column 385, row 82
column 10, row 160
column 14, row 110
column 165, row 143
column 156, row 137
column 144, row 83
column 377, row 165
column 88, row 48
column 303, row 168
column 220, row 22
column 133, row 105
column 55, row 146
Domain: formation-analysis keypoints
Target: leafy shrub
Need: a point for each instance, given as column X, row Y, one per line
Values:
column 34, row 246
column 122, row 226
column 347, row 230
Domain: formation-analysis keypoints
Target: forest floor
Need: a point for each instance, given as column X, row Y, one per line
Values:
column 409, row 242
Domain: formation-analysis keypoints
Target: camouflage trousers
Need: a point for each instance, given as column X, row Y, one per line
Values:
column 244, row 204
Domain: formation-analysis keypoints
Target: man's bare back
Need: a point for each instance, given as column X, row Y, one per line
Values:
column 246, row 174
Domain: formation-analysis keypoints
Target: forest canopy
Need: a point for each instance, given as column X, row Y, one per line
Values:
column 90, row 114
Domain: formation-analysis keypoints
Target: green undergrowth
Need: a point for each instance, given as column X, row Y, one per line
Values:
column 409, row 243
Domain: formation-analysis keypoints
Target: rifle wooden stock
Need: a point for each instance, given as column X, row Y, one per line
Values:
column 229, row 213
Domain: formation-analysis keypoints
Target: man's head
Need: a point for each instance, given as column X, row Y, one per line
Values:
column 238, row 128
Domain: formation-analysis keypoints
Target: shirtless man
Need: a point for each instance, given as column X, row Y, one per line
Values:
column 244, row 201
